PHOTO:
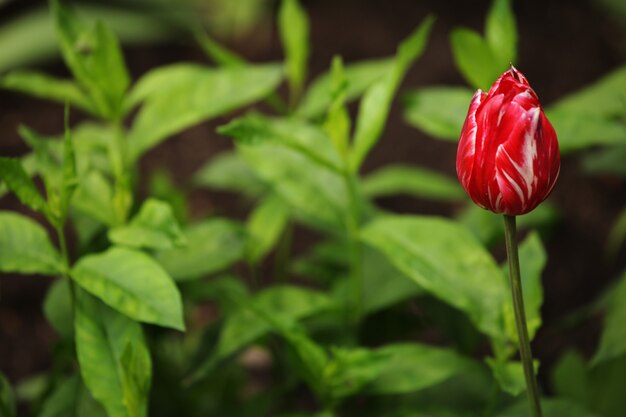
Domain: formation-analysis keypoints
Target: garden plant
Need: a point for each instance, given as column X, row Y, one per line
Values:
column 159, row 313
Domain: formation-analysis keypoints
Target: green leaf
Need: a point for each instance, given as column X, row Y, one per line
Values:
column 316, row 194
column 71, row 399
column 265, row 226
column 228, row 171
column 413, row 181
column 501, row 32
column 154, row 227
column 7, row 401
column 179, row 96
column 337, row 124
column 569, row 378
column 293, row 25
column 578, row 131
column 25, row 247
column 218, row 53
column 132, row 283
column 474, row 58
column 533, row 258
column 47, row 87
column 608, row 161
column 510, row 375
column 603, row 98
column 552, row 408
column 94, row 197
column 613, row 339
column 212, row 245
column 18, row 181
column 445, row 260
column 303, row 137
column 285, row 304
column 358, row 76
column 413, row 367
column 95, row 58
column 376, row 102
column 57, row 308
column 438, row 111
column 488, row 228
column 163, row 187
column 114, row 359
column 225, row 291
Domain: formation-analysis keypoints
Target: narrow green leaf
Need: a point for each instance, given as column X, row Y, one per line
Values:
column 94, row 197
column 285, row 304
column 132, row 283
column 510, row 375
column 337, row 124
column 17, row 180
column 154, row 227
column 69, row 180
column 501, row 32
column 25, row 247
column 376, row 102
column 179, row 96
column 228, row 171
column 413, row 181
column 57, row 308
column 95, row 58
column 71, row 399
column 114, row 359
column 293, row 25
column 7, row 401
column 316, row 194
column 474, row 58
column 212, row 245
column 607, row 161
column 47, row 87
column 359, row 76
column 265, row 226
column 613, row 339
column 446, row 260
column 570, row 378
column 218, row 53
column 533, row 259
column 578, row 131
column 413, row 367
column 438, row 111
column 306, row 138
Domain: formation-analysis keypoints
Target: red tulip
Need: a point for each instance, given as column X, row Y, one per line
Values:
column 508, row 157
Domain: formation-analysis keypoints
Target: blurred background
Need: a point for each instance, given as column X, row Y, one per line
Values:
column 563, row 46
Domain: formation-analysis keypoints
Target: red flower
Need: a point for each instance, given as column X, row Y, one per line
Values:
column 508, row 157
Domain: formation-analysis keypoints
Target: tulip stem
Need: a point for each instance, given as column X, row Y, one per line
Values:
column 510, row 234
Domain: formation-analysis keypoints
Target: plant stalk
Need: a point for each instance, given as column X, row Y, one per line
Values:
column 66, row 259
column 354, row 247
column 510, row 233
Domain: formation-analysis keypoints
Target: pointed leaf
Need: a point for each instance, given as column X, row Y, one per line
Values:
column 501, row 32
column 413, row 181
column 17, row 180
column 211, row 246
column 179, row 96
column 114, row 359
column 474, row 58
column 47, row 87
column 154, row 227
column 359, row 76
column 613, row 339
column 132, row 283
column 94, row 197
column 444, row 259
column 25, row 247
column 228, row 171
column 265, row 226
column 376, row 102
column 293, row 25
column 71, row 399
column 57, row 308
column 438, row 111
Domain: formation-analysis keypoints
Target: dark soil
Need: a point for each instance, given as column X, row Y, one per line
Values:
column 564, row 45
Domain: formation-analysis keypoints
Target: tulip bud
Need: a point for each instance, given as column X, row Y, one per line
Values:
column 508, row 156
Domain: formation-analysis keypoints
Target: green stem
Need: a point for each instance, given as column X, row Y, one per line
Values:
column 59, row 227
column 354, row 247
column 510, row 233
